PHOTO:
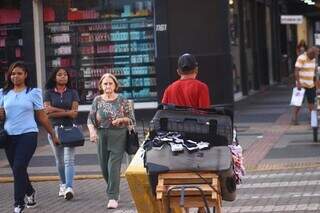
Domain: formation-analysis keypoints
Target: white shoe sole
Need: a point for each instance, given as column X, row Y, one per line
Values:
column 31, row 207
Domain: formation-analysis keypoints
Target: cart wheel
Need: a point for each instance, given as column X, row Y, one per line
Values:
column 315, row 134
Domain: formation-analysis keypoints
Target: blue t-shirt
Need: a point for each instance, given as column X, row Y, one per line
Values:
column 19, row 108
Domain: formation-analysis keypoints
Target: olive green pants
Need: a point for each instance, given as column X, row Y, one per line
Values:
column 111, row 146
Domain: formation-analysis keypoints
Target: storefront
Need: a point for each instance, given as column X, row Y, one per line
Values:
column 91, row 38
column 140, row 40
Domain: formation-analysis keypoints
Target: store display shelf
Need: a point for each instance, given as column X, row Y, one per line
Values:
column 98, row 77
column 116, row 42
column 58, row 32
column 61, row 55
column 104, row 64
column 69, row 66
column 143, row 74
column 60, row 44
column 113, row 54
column 112, row 20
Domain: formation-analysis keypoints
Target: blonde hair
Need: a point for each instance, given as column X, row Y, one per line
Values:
column 108, row 75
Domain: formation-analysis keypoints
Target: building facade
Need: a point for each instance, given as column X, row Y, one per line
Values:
column 249, row 48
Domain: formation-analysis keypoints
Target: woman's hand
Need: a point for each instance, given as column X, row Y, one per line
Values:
column 120, row 121
column 93, row 136
column 49, row 109
column 2, row 113
column 55, row 139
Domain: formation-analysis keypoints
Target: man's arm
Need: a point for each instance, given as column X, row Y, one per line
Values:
column 297, row 77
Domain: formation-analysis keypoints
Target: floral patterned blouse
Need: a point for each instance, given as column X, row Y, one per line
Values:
column 103, row 112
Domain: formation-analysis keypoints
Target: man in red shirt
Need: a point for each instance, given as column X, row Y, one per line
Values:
column 187, row 91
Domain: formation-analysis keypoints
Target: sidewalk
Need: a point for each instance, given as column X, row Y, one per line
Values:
column 270, row 145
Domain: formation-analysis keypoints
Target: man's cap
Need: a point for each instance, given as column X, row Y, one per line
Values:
column 187, row 62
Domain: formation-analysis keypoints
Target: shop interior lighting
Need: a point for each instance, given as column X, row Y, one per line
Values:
column 309, row 2
column 230, row 2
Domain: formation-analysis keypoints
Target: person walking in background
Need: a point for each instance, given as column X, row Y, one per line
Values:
column 305, row 69
column 61, row 105
column 301, row 47
column 108, row 121
column 21, row 103
column 187, row 91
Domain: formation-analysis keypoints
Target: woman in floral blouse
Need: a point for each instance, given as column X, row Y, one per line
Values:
column 108, row 120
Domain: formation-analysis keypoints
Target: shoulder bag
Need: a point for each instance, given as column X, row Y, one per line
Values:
column 70, row 136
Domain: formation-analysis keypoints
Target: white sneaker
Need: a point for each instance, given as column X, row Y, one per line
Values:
column 68, row 193
column 62, row 190
column 112, row 204
column 18, row 209
column 31, row 201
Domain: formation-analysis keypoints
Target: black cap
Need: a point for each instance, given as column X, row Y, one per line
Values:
column 187, row 62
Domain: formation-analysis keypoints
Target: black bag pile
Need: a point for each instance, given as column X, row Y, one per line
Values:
column 185, row 127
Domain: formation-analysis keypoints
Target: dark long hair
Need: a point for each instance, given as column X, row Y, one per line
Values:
column 8, row 85
column 51, row 83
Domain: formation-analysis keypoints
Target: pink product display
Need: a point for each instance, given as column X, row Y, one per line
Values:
column 92, row 37
column 63, row 50
column 3, row 32
column 62, row 62
column 96, row 27
column 2, row 42
column 105, row 49
column 59, row 28
column 59, row 39
column 87, row 50
column 92, row 84
column 98, row 72
column 18, row 52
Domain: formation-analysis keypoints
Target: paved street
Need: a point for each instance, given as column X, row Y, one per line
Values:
column 283, row 165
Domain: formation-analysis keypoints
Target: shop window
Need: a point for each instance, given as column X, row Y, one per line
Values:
column 91, row 38
column 10, row 36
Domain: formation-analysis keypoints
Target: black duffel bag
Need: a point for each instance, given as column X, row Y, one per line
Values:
column 70, row 136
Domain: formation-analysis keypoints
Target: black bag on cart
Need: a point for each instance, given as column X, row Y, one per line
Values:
column 213, row 126
column 217, row 159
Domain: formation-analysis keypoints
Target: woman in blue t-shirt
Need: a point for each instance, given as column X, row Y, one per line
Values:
column 20, row 103
column 61, row 104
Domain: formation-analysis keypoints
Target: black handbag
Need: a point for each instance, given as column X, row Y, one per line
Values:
column 132, row 145
column 70, row 136
column 3, row 137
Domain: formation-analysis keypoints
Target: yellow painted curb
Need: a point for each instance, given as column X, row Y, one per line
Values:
column 53, row 178
column 289, row 166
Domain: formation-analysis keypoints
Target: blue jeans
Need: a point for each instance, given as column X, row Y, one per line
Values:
column 64, row 162
column 19, row 153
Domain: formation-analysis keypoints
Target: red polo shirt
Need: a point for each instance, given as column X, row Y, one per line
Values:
column 187, row 92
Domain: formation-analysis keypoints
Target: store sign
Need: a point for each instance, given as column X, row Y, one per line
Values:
column 161, row 27
column 317, row 39
column 291, row 19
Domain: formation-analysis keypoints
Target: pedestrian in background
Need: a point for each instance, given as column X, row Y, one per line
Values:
column 108, row 122
column 187, row 91
column 61, row 105
column 301, row 47
column 305, row 68
column 21, row 103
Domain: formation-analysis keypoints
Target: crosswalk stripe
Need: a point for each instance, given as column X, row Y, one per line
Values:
column 275, row 196
column 274, row 208
column 279, row 184
column 278, row 175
